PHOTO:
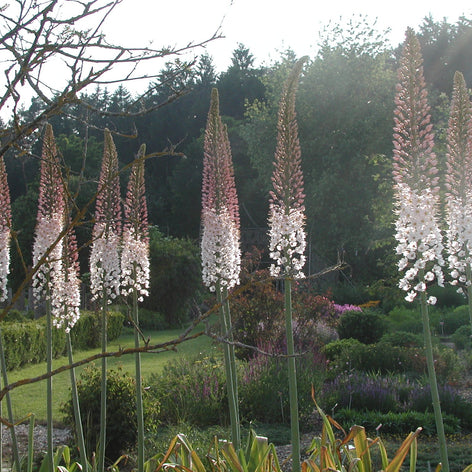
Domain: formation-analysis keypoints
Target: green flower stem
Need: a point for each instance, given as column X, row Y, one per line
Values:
column 469, row 292
column 16, row 454
column 139, row 396
column 433, row 382
column 50, row 449
column 292, row 378
column 75, row 401
column 232, row 360
column 103, row 393
column 230, row 369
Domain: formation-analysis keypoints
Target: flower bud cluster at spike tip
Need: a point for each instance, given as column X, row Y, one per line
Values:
column 415, row 163
column 135, row 254
column 49, row 224
column 221, row 253
column 286, row 213
column 104, row 256
column 419, row 238
column 5, row 234
column 419, row 241
column 459, row 185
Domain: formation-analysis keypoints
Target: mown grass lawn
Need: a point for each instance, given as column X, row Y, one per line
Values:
column 32, row 398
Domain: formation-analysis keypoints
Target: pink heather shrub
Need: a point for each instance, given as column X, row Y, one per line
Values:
column 5, row 231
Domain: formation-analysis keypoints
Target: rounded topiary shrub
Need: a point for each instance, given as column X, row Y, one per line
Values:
column 462, row 337
column 121, row 431
column 366, row 326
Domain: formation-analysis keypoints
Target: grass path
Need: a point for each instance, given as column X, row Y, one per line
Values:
column 31, row 398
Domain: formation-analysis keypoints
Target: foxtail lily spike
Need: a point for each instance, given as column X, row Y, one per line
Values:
column 417, row 198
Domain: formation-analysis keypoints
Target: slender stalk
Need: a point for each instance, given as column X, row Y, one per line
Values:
column 139, row 396
column 234, row 369
column 469, row 292
column 103, row 393
column 75, row 401
column 433, row 383
column 50, row 450
column 233, row 409
column 16, row 454
column 292, row 378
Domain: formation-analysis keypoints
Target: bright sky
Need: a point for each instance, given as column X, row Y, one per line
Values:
column 266, row 26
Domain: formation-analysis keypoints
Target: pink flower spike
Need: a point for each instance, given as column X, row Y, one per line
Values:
column 459, row 185
column 135, row 254
column 50, row 223
column 418, row 234
column 287, row 211
column 221, row 254
column 104, row 256
column 5, row 231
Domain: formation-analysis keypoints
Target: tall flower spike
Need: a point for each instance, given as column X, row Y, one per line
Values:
column 50, row 223
column 5, row 231
column 417, row 230
column 135, row 255
column 221, row 255
column 104, row 256
column 417, row 198
column 459, row 185
column 287, row 211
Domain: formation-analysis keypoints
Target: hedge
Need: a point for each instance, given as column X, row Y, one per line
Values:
column 25, row 342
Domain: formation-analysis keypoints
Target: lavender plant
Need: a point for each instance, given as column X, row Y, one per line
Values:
column 221, row 255
column 459, row 189
column 105, row 260
column 287, row 234
column 47, row 257
column 417, row 197
column 135, row 270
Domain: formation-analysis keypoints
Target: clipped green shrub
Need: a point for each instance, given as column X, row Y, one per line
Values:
column 86, row 332
column 397, row 423
column 402, row 339
column 384, row 358
column 25, row 342
column 175, row 279
column 454, row 319
column 405, row 319
column 121, row 427
column 366, row 326
column 462, row 337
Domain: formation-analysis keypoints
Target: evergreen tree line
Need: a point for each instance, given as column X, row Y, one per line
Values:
column 345, row 106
